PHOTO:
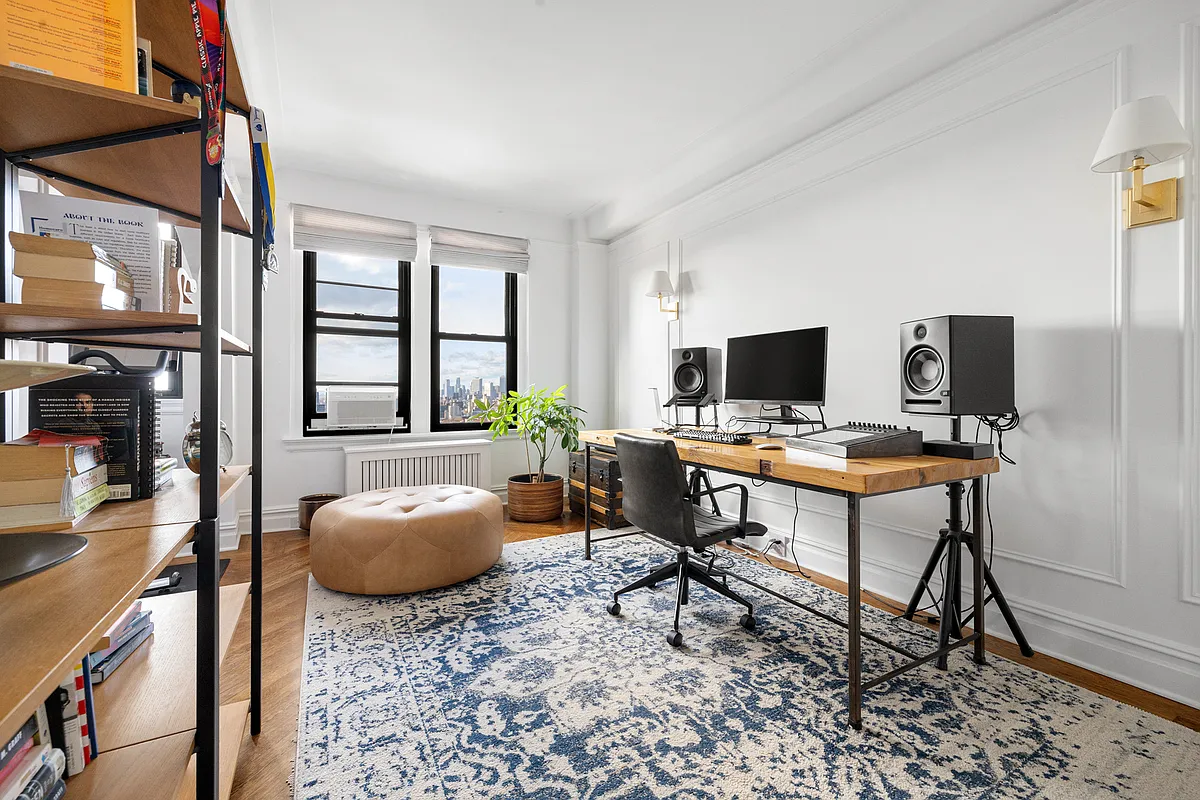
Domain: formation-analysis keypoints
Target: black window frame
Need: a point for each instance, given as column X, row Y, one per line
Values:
column 509, row 338
column 403, row 335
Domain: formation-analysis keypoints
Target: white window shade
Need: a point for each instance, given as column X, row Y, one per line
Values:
column 450, row 247
column 325, row 230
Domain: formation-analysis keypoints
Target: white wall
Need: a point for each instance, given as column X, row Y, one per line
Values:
column 296, row 465
column 971, row 193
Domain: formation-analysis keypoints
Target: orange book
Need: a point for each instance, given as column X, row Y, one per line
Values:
column 93, row 41
column 73, row 294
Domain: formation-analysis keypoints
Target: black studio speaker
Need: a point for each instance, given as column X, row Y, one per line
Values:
column 696, row 375
column 957, row 365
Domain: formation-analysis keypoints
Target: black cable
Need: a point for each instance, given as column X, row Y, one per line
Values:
column 792, row 543
column 999, row 425
column 987, row 502
column 967, row 527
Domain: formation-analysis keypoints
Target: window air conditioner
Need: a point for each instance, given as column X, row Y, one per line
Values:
column 361, row 407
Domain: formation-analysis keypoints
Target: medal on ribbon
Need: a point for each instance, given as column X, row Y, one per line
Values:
column 261, row 153
column 208, row 22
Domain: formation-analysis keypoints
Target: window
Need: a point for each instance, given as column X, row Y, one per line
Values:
column 474, row 315
column 356, row 333
column 169, row 385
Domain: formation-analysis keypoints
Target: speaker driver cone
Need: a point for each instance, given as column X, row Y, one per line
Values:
column 689, row 379
column 923, row 370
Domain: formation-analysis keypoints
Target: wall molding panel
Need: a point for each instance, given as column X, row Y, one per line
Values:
column 1189, row 283
column 931, row 535
column 1091, row 643
column 1081, row 639
column 1115, row 64
column 970, row 192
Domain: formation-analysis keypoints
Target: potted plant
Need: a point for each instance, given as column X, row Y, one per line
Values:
column 545, row 420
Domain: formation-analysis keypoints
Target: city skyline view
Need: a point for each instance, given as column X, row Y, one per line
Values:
column 469, row 302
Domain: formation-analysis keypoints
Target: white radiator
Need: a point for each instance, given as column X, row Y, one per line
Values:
column 467, row 462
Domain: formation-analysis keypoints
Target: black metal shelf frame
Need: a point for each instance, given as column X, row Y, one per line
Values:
column 206, row 540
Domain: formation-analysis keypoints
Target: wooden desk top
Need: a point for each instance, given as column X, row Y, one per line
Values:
column 49, row 620
column 861, row 475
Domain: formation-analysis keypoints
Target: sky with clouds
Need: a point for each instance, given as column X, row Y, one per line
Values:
column 471, row 301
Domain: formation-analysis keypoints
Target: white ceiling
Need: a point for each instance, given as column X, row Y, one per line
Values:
column 611, row 110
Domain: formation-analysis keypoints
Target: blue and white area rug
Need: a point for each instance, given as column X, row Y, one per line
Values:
column 518, row 684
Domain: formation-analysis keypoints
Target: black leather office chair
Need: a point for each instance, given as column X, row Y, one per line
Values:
column 657, row 499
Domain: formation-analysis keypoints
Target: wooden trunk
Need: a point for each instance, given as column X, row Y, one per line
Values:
column 605, row 502
column 535, row 502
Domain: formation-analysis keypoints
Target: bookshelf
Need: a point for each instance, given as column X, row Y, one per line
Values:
column 150, row 696
column 158, row 330
column 19, row 374
column 150, row 143
column 179, row 502
column 145, row 771
column 161, row 728
column 48, row 625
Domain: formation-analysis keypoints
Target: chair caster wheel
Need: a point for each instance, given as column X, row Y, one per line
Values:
column 675, row 639
column 747, row 622
column 614, row 609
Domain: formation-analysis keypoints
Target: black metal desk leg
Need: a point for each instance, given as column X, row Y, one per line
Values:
column 977, row 562
column 855, row 610
column 587, row 502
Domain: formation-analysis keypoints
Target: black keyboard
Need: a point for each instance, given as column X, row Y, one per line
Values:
column 716, row 437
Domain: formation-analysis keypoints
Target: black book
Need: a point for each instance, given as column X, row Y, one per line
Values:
column 118, row 407
column 56, row 704
column 13, row 746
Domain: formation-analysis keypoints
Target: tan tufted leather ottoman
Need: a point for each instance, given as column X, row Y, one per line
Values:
column 407, row 539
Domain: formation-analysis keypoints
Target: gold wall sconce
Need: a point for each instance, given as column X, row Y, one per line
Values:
column 1141, row 133
column 660, row 287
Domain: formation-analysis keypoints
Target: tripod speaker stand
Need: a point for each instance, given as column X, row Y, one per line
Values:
column 951, row 540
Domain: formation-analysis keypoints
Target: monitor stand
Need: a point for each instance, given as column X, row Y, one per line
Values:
column 787, row 416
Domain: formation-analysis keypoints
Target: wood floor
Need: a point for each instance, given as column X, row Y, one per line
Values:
column 265, row 763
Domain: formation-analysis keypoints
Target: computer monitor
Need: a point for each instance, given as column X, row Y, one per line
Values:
column 784, row 369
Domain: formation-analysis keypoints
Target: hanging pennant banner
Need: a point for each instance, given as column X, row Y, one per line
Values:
column 208, row 22
column 261, row 152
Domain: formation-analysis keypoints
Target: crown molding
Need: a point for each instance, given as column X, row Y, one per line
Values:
column 987, row 59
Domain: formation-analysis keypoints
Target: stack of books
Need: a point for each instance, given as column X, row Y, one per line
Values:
column 32, row 762
column 70, row 718
column 48, row 482
column 164, row 471
column 126, row 634
column 69, row 274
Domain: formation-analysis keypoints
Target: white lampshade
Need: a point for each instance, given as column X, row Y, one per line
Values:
column 1148, row 128
column 660, row 283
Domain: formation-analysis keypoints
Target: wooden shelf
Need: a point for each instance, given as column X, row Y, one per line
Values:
column 50, row 620
column 41, row 110
column 153, row 694
column 174, row 504
column 38, row 110
column 149, row 771
column 22, row 318
column 231, row 727
column 18, row 374
column 164, row 172
column 168, row 26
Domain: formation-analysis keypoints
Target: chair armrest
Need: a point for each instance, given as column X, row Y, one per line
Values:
column 745, row 499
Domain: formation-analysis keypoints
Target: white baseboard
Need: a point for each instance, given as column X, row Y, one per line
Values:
column 275, row 518
column 1158, row 665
